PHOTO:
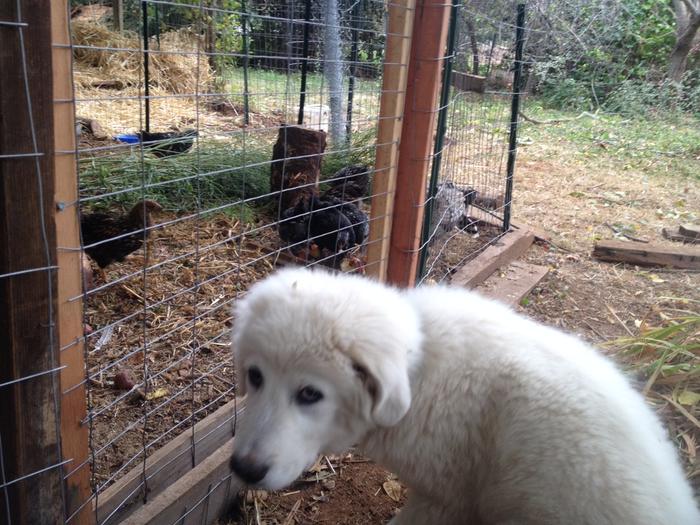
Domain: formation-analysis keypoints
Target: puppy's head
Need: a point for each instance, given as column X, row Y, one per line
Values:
column 323, row 359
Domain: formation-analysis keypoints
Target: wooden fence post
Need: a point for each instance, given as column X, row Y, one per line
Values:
column 30, row 472
column 396, row 56
column 420, row 110
column 70, row 306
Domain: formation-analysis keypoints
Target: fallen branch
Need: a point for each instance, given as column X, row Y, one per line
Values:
column 558, row 120
column 618, row 231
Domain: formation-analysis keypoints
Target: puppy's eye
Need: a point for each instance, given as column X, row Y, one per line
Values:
column 308, row 396
column 255, row 377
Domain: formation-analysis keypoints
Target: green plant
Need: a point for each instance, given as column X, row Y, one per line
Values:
column 211, row 174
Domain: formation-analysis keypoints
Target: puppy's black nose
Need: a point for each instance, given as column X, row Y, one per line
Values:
column 248, row 470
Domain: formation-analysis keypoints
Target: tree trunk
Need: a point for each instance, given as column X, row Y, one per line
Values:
column 210, row 36
column 296, row 166
column 333, row 69
column 474, row 46
column 688, row 24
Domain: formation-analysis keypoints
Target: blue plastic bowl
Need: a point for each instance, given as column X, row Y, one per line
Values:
column 129, row 139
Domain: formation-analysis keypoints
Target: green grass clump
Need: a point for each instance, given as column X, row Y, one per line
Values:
column 209, row 175
column 671, row 349
column 653, row 144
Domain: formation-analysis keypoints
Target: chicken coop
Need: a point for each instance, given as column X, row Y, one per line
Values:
column 159, row 157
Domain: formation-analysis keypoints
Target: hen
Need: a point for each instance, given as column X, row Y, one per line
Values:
column 358, row 218
column 168, row 143
column 349, row 183
column 332, row 225
column 451, row 208
column 109, row 239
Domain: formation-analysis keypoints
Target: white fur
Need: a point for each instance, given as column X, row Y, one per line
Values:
column 488, row 417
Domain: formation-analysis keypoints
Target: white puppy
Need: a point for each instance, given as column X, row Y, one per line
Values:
column 488, row 417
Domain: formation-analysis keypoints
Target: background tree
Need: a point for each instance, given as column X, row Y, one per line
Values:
column 687, row 35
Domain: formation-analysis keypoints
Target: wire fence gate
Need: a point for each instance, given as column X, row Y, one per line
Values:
column 469, row 199
column 176, row 153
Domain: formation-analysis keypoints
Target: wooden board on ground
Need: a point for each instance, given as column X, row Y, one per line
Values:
column 508, row 248
column 648, row 254
column 689, row 230
column 173, row 461
column 199, row 497
column 512, row 284
column 677, row 236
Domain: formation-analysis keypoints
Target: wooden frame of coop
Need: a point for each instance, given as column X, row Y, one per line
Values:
column 184, row 481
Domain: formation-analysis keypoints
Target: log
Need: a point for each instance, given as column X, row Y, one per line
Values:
column 296, row 164
column 648, row 255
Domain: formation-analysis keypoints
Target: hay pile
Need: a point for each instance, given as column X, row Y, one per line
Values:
column 117, row 57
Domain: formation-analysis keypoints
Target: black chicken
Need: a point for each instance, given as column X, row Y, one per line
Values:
column 168, row 143
column 329, row 226
column 358, row 218
column 97, row 227
column 350, row 183
column 339, row 225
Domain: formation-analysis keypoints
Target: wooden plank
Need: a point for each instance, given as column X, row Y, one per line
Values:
column 511, row 246
column 199, row 497
column 420, row 117
column 513, row 283
column 678, row 237
column 169, row 463
column 648, row 254
column 468, row 82
column 28, row 343
column 396, row 56
column 74, row 435
column 689, row 230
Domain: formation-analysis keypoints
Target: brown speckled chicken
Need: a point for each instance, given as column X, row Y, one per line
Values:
column 97, row 227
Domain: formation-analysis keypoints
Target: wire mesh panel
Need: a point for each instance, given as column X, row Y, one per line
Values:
column 217, row 140
column 469, row 197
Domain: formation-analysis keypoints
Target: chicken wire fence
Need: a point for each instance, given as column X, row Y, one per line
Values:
column 194, row 183
column 469, row 198
column 216, row 140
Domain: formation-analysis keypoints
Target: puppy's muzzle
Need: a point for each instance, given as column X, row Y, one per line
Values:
column 248, row 469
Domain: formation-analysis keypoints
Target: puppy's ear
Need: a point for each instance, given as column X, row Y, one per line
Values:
column 388, row 386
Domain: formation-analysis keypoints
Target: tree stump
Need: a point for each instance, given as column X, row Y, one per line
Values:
column 296, row 164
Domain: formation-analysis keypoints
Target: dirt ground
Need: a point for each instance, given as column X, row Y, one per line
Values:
column 577, row 204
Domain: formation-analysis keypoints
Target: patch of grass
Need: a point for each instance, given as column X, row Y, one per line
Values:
column 211, row 174
column 655, row 145
column 360, row 151
column 270, row 89
column 667, row 354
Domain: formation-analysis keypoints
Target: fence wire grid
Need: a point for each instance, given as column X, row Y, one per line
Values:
column 218, row 140
column 469, row 198
column 195, row 182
